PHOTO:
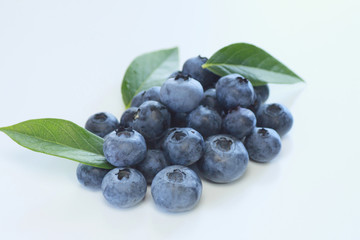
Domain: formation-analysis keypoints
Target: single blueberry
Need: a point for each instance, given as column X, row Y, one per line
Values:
column 128, row 117
column 239, row 122
column 153, row 163
column 193, row 67
column 263, row 144
column 262, row 92
column 125, row 147
column 225, row 159
column 178, row 119
column 89, row 176
column 124, row 187
column 102, row 124
column 275, row 116
column 152, row 93
column 152, row 120
column 183, row 146
column 234, row 90
column 176, row 189
column 209, row 100
column 206, row 121
column 181, row 94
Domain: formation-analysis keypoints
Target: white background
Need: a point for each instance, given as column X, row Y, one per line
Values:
column 66, row 59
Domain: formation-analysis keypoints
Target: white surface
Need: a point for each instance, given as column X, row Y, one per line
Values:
column 66, row 59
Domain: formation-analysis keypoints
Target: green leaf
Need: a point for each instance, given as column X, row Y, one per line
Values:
column 148, row 70
column 60, row 138
column 253, row 63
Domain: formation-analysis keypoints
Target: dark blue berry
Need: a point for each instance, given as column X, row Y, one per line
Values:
column 152, row 120
column 206, row 121
column 209, row 100
column 263, row 144
column 225, row 159
column 90, row 177
column 239, row 122
column 152, row 93
column 275, row 116
column 124, row 187
column 183, row 146
column 127, row 117
column 153, row 163
column 176, row 189
column 181, row 94
column 102, row 124
column 124, row 148
column 262, row 92
column 234, row 90
column 193, row 67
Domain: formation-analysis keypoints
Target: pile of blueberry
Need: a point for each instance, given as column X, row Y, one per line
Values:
column 175, row 133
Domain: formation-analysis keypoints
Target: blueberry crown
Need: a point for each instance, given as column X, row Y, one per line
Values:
column 121, row 130
column 178, row 135
column 100, row 116
column 241, row 79
column 176, row 176
column 263, row 132
column 223, row 143
column 180, row 75
column 274, row 108
column 204, row 59
column 123, row 173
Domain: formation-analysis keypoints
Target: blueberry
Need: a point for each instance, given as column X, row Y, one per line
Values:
column 183, row 146
column 234, row 90
column 128, row 117
column 181, row 94
column 263, row 144
column 152, row 120
column 206, row 121
column 275, row 116
column 90, row 177
column 124, row 148
column 153, row 163
column 254, row 107
column 102, row 123
column 262, row 92
column 193, row 67
column 178, row 119
column 225, row 159
column 209, row 100
column 176, row 189
column 124, row 187
column 239, row 122
column 152, row 93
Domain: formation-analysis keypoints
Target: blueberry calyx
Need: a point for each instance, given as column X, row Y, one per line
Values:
column 203, row 58
column 223, row 144
column 242, row 80
column 274, row 108
column 263, row 132
column 176, row 175
column 123, row 173
column 178, row 135
column 180, row 75
column 121, row 130
column 101, row 117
